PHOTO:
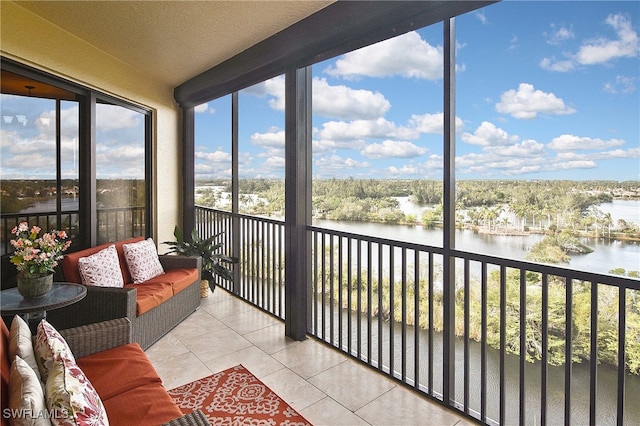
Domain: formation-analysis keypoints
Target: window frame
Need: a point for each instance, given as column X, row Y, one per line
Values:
column 87, row 99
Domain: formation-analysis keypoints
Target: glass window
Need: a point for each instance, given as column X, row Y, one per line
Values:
column 120, row 172
column 213, row 163
column 39, row 153
column 377, row 139
column 42, row 143
column 261, row 144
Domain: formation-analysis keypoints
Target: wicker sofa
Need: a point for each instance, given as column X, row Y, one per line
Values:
column 103, row 351
column 153, row 307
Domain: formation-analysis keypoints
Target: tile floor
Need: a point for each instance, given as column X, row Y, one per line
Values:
column 323, row 385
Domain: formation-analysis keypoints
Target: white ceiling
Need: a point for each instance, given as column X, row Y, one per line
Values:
column 173, row 41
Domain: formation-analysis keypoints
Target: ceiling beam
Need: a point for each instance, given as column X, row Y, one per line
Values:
column 337, row 29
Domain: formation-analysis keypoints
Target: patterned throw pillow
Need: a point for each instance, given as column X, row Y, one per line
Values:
column 101, row 269
column 142, row 260
column 49, row 346
column 26, row 396
column 69, row 392
column 21, row 344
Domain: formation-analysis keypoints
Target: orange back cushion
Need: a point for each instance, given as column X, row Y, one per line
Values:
column 70, row 261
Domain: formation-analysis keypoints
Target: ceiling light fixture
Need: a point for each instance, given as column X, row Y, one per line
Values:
column 23, row 118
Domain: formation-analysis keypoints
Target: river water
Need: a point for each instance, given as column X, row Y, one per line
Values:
column 606, row 256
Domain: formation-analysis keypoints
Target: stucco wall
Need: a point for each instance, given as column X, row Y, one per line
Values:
column 31, row 40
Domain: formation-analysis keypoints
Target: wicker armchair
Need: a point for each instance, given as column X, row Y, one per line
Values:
column 93, row 338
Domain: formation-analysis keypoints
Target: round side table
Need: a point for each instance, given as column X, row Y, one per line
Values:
column 33, row 310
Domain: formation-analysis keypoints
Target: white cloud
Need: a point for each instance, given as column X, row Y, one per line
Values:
column 559, row 34
column 204, row 108
column 324, row 145
column 432, row 123
column 527, row 148
column 329, row 101
column 273, row 143
column 121, row 161
column 274, row 87
column 362, row 129
column 572, row 143
column 487, row 134
column 482, row 17
column 274, row 163
column 622, row 84
column 513, row 43
column 569, row 165
column 406, row 170
column 528, row 158
column 551, row 64
column 346, row 103
column 275, row 138
column 332, row 165
column 602, row 50
column 112, row 117
column 213, row 157
column 215, row 164
column 526, row 102
column 393, row 149
column 407, row 55
column 601, row 155
column 599, row 50
column 353, row 134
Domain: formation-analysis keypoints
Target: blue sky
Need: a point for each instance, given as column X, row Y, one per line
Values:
column 545, row 90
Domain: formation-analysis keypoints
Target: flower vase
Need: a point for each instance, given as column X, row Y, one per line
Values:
column 34, row 286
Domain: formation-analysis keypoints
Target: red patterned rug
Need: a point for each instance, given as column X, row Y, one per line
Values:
column 235, row 397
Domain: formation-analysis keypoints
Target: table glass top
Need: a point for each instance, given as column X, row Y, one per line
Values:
column 62, row 294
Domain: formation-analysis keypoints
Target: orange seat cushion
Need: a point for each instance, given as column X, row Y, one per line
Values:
column 151, row 295
column 178, row 278
column 129, row 386
column 118, row 370
column 146, row 405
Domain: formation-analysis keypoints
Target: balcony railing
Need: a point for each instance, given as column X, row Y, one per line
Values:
column 113, row 224
column 521, row 355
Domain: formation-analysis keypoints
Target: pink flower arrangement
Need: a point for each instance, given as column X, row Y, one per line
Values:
column 35, row 255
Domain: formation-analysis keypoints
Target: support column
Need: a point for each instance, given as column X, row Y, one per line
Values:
column 235, row 189
column 87, row 177
column 297, row 201
column 188, row 174
column 449, row 213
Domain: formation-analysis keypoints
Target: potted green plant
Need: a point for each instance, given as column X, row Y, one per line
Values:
column 212, row 261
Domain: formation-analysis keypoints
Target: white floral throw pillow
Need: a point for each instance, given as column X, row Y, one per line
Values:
column 142, row 260
column 101, row 269
column 49, row 346
column 69, row 392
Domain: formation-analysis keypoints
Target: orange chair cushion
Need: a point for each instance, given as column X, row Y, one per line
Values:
column 118, row 370
column 129, row 386
column 151, row 295
column 178, row 278
column 146, row 405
